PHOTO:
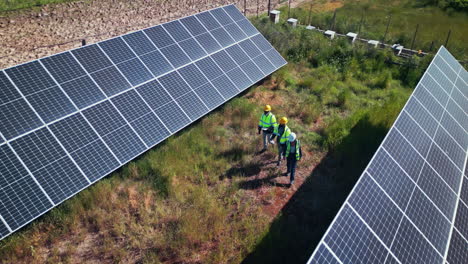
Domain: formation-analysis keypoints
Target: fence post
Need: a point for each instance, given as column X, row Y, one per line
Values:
column 432, row 46
column 289, row 8
column 258, row 7
column 245, row 7
column 386, row 30
column 269, row 4
column 414, row 37
column 448, row 37
column 360, row 23
column 83, row 42
column 310, row 14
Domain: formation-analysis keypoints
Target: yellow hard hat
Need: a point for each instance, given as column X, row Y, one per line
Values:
column 283, row 120
column 267, row 108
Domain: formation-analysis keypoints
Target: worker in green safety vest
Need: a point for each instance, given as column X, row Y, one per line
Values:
column 267, row 124
column 282, row 132
column 293, row 155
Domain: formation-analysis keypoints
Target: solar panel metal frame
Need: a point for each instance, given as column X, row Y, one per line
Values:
column 322, row 245
column 79, row 111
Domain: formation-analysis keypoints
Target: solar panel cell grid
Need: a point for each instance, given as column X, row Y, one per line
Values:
column 208, row 42
column 457, row 253
column 225, row 86
column 193, row 25
column 130, row 105
column 17, row 118
column 404, row 154
column 438, row 191
column 61, row 179
column 73, row 132
column 114, row 83
column 156, row 63
column 150, row 129
column 324, row 257
column 247, row 27
column 264, row 64
column 104, row 118
column 92, row 58
column 239, row 78
column 30, row 78
column 63, row 67
column 434, row 156
column 8, row 92
column 353, row 242
column 192, row 75
column 154, row 94
column 410, row 246
column 51, row 104
column 175, row 55
column 22, row 201
column 124, row 143
column 95, row 160
column 429, row 220
column 135, row 71
column 398, row 187
column 159, row 36
column 374, row 206
column 192, row 48
column 83, row 91
column 209, row 95
column 117, row 50
column 110, row 81
column 139, row 43
column 446, row 169
column 254, row 73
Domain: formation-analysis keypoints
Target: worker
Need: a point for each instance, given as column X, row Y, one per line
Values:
column 267, row 125
column 293, row 155
column 282, row 132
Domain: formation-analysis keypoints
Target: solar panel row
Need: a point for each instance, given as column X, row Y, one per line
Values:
column 72, row 118
column 404, row 207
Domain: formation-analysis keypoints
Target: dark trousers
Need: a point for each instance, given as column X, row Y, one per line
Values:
column 291, row 164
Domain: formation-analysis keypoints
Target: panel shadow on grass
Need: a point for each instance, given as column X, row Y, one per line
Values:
column 294, row 234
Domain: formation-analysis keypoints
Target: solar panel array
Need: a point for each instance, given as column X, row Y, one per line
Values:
column 411, row 203
column 70, row 119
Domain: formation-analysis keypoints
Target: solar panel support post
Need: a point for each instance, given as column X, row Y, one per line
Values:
column 448, row 37
column 414, row 37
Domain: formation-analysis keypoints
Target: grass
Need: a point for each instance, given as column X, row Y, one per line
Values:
column 434, row 22
column 186, row 199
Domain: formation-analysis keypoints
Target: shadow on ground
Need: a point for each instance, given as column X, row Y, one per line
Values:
column 298, row 228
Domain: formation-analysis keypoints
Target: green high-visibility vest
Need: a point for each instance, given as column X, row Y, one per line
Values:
column 298, row 146
column 283, row 138
column 267, row 120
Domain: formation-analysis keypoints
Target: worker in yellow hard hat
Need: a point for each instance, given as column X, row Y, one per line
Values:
column 267, row 125
column 283, row 132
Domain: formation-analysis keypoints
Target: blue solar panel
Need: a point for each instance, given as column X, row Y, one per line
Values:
column 111, row 81
column 117, row 50
column 139, row 43
column 8, row 92
column 13, row 126
column 30, row 77
column 73, row 118
column 51, row 104
column 92, row 58
column 83, row 91
column 135, row 71
column 63, row 67
column 411, row 193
